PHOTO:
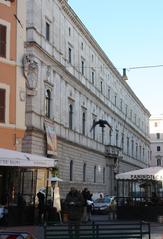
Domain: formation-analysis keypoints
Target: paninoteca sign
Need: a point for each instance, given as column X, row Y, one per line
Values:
column 152, row 173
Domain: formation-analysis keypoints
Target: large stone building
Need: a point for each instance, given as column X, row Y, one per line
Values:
column 74, row 84
column 156, row 136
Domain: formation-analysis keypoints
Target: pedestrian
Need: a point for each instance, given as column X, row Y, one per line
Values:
column 74, row 203
column 87, row 205
column 21, row 204
column 41, row 205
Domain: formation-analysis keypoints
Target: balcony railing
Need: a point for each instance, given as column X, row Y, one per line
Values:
column 112, row 151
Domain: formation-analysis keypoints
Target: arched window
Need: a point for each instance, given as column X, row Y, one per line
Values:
column 158, row 162
column 70, row 116
column 84, row 172
column 47, row 103
column 94, row 174
column 71, row 170
column 103, row 175
column 83, row 123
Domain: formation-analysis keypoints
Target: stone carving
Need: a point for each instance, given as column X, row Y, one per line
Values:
column 30, row 69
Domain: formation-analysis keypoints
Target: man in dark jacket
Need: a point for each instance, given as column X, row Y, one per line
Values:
column 74, row 204
column 87, row 207
column 41, row 205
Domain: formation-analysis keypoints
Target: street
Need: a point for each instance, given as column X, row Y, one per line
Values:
column 38, row 231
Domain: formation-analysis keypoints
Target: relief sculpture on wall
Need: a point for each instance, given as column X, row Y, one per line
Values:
column 30, row 70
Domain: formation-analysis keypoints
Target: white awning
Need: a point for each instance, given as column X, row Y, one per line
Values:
column 20, row 159
column 152, row 173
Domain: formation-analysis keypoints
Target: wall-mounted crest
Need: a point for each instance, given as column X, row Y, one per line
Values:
column 30, row 70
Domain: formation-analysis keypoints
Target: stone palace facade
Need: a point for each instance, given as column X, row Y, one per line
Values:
column 71, row 83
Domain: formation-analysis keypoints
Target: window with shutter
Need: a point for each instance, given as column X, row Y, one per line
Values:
column 3, row 40
column 2, row 105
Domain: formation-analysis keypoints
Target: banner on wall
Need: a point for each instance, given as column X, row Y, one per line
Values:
column 51, row 139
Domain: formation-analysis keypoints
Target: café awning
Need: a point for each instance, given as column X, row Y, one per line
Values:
column 151, row 173
column 14, row 158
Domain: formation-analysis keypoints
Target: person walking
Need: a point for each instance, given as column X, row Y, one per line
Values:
column 87, row 205
column 74, row 203
column 41, row 205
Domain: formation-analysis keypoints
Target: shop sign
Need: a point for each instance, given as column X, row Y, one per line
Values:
column 147, row 177
column 27, row 163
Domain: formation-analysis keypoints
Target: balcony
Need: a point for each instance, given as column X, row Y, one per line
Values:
column 112, row 151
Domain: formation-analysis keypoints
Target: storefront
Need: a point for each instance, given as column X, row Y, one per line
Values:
column 21, row 176
column 140, row 194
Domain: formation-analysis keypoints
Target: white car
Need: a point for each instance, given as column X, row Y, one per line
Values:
column 104, row 205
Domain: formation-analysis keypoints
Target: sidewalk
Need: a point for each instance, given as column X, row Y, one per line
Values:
column 38, row 231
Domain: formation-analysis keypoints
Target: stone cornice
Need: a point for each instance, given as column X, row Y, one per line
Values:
column 75, row 19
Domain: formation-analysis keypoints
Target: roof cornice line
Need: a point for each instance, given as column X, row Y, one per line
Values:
column 73, row 16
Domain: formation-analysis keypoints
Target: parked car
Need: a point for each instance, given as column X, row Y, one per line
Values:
column 104, row 205
column 15, row 235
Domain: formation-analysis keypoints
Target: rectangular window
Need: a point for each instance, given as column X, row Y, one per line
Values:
column 47, row 31
column 126, row 110
column 2, row 105
column 121, row 104
column 158, row 148
column 115, row 100
column 3, row 30
column 101, row 86
column 158, row 135
column 128, row 145
column 69, row 55
column 82, row 67
column 109, row 93
column 93, row 77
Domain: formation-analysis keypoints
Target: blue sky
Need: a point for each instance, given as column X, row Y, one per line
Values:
column 131, row 34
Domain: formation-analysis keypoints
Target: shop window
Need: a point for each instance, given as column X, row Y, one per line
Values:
column 3, row 33
column 71, row 170
column 2, row 105
column 47, row 103
column 84, row 172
